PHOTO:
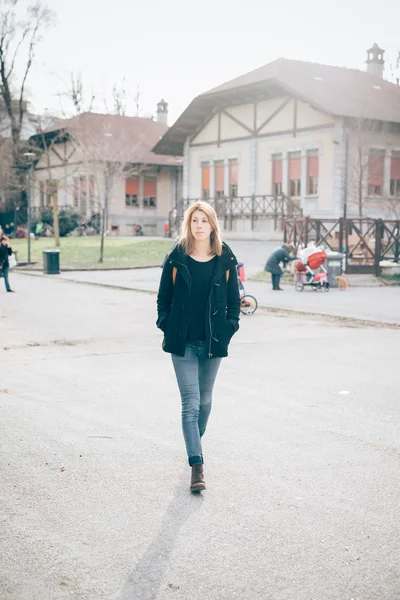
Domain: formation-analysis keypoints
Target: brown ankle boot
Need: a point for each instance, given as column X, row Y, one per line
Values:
column 197, row 483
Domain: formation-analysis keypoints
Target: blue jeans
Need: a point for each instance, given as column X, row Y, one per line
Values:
column 195, row 375
column 5, row 275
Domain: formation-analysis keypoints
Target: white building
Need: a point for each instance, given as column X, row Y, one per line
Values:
column 327, row 138
column 96, row 160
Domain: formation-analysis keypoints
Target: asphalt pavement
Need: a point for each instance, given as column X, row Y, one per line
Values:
column 301, row 457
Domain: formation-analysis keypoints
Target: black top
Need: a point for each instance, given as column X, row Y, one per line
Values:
column 201, row 274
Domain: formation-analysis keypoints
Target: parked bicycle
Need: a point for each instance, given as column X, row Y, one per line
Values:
column 248, row 303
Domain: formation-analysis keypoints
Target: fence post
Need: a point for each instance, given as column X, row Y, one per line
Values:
column 378, row 245
column 253, row 203
column 341, row 225
column 397, row 246
column 306, row 225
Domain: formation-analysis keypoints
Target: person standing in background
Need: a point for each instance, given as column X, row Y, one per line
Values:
column 5, row 252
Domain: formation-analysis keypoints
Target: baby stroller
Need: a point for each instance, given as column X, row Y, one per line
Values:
column 305, row 275
column 248, row 304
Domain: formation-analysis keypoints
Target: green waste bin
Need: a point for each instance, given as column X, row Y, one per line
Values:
column 51, row 262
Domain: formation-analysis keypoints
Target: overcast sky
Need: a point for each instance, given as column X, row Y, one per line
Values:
column 177, row 49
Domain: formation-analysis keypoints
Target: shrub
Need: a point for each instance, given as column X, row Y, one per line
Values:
column 68, row 221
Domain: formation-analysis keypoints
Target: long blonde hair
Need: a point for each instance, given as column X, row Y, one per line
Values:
column 186, row 239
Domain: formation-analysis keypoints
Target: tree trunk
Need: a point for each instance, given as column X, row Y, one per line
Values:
column 103, row 227
column 56, row 223
column 360, row 195
column 104, row 223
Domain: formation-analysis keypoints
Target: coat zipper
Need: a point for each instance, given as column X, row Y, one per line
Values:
column 209, row 320
column 190, row 282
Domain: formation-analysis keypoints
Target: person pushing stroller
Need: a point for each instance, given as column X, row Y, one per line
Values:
column 284, row 254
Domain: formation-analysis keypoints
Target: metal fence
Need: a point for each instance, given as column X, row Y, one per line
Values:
column 231, row 209
column 363, row 242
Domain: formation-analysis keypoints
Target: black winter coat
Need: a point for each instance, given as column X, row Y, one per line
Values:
column 279, row 255
column 173, row 304
column 5, row 252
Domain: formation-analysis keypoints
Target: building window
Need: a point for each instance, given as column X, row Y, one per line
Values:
column 48, row 189
column 277, row 174
column 375, row 172
column 219, row 178
column 205, row 181
column 395, row 174
column 150, row 193
column 312, row 172
column 76, row 192
column 131, row 192
column 92, row 192
column 295, row 174
column 80, row 193
column 233, row 178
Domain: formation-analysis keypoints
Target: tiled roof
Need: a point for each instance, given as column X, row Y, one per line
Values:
column 338, row 91
column 116, row 138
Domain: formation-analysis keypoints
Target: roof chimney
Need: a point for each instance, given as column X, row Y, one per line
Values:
column 375, row 61
column 162, row 112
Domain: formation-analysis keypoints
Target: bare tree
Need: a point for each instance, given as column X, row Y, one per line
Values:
column 136, row 99
column 393, row 205
column 19, row 39
column 110, row 158
column 119, row 97
column 78, row 100
column 395, row 69
column 43, row 146
column 363, row 135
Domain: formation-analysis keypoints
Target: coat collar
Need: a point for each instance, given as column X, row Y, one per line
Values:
column 226, row 261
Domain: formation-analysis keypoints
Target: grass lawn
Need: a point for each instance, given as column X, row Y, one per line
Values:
column 393, row 279
column 265, row 276
column 84, row 252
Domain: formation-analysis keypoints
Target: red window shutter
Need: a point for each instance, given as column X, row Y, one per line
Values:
column 131, row 187
column 205, row 178
column 294, row 168
column 375, row 170
column 150, row 188
column 219, row 177
column 395, row 168
column 277, row 170
column 233, row 172
column 312, row 166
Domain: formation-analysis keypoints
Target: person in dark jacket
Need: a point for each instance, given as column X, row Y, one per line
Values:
column 198, row 309
column 280, row 255
column 5, row 252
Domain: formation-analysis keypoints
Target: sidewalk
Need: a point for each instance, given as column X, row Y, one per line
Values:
column 377, row 304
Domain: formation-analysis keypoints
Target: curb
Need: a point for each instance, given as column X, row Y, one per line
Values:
column 73, row 269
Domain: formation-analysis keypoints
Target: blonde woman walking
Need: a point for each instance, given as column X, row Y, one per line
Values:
column 198, row 308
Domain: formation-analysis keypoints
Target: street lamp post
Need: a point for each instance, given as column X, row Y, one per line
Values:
column 29, row 161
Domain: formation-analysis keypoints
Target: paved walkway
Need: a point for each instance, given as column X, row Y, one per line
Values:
column 379, row 304
column 372, row 303
column 301, row 457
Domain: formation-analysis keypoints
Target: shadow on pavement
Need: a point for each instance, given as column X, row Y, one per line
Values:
column 145, row 579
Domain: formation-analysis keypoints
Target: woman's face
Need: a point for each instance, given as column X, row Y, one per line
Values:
column 200, row 227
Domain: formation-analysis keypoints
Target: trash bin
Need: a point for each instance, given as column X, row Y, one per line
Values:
column 334, row 263
column 51, row 262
